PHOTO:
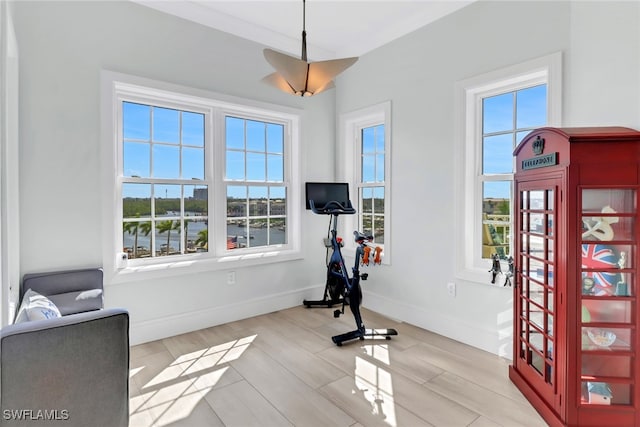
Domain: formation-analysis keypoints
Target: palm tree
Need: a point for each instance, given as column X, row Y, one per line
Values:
column 132, row 229
column 186, row 233
column 167, row 226
column 145, row 228
column 203, row 238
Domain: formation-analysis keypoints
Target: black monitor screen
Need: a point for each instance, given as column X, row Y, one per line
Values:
column 324, row 192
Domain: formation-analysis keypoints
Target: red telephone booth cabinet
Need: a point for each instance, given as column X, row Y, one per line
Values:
column 576, row 234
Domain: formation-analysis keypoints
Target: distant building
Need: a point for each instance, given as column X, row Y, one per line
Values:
column 200, row 193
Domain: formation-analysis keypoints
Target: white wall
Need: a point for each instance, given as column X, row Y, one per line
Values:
column 64, row 46
column 9, row 166
column 600, row 42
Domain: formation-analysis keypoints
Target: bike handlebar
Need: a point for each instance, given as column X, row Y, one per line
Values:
column 360, row 237
column 332, row 208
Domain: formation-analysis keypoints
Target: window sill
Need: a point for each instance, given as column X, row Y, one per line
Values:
column 181, row 266
column 483, row 277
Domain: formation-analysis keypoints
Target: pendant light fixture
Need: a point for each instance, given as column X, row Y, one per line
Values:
column 302, row 78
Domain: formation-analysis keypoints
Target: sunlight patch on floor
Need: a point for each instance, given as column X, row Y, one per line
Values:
column 375, row 384
column 174, row 393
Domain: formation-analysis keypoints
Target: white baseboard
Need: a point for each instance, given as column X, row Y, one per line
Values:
column 151, row 330
column 493, row 341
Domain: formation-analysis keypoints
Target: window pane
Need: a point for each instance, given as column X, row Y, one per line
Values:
column 236, row 200
column 378, row 200
column 167, row 237
column 167, row 200
column 496, row 219
column 520, row 136
column 277, row 231
column 195, row 200
column 379, row 138
column 166, row 125
column 193, row 163
column 531, row 107
column 136, row 200
column 277, row 201
column 193, row 129
column 137, row 239
column 275, row 138
column 497, row 113
column 497, row 154
column 235, row 165
column 258, row 201
column 380, row 168
column 255, row 136
column 368, row 168
column 368, row 140
column 236, row 234
column 166, row 161
column 258, row 233
column 496, row 197
column 234, row 133
column 136, row 121
column 367, row 201
column 256, row 167
column 378, row 229
column 275, row 167
column 136, row 159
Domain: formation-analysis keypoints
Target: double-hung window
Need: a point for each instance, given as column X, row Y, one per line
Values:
column 371, row 182
column 197, row 179
column 163, row 188
column 364, row 162
column 495, row 112
column 507, row 117
column 254, row 179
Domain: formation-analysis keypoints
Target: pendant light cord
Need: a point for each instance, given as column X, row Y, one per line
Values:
column 304, row 33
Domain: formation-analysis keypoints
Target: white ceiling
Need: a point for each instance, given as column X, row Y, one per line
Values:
column 335, row 29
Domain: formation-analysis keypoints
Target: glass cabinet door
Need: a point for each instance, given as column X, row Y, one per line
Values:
column 608, row 277
column 535, row 303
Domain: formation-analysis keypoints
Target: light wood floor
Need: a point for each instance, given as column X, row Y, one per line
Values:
column 282, row 369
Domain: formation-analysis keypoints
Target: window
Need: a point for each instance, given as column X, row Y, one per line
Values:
column 371, row 182
column 495, row 112
column 163, row 189
column 256, row 191
column 365, row 165
column 203, row 181
column 507, row 118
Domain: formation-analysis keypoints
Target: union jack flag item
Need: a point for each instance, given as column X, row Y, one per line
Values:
column 600, row 257
column 232, row 242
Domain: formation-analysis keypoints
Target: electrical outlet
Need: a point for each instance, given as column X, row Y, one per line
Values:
column 451, row 289
column 231, row 278
column 122, row 259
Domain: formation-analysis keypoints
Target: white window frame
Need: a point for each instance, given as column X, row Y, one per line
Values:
column 468, row 149
column 348, row 167
column 115, row 88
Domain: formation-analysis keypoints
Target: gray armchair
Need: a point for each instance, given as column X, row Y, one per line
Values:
column 66, row 371
column 72, row 291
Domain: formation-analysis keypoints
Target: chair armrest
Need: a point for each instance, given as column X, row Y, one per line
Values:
column 77, row 365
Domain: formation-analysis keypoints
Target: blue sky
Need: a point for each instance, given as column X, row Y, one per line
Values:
column 504, row 116
column 178, row 151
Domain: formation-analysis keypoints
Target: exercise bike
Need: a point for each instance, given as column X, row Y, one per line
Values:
column 339, row 285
